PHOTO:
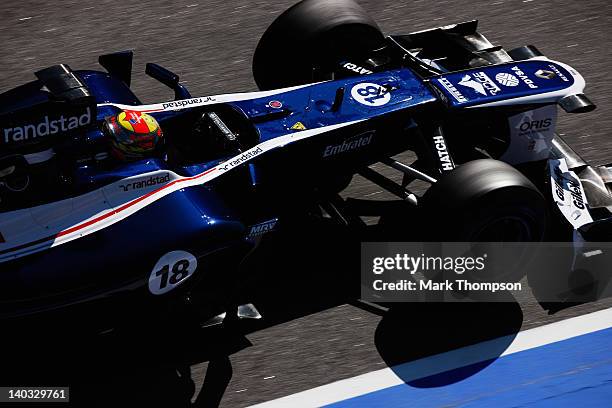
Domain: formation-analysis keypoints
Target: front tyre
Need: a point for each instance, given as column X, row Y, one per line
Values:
column 312, row 34
column 485, row 201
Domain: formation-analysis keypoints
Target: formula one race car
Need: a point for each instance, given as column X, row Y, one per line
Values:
column 108, row 201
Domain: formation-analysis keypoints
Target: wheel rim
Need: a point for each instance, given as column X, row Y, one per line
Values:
column 509, row 228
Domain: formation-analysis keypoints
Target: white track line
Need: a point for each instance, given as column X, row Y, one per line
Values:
column 385, row 378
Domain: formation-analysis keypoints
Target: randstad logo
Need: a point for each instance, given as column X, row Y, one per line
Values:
column 46, row 127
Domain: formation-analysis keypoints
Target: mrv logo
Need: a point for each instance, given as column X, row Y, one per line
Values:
column 263, row 228
column 47, row 127
column 445, row 160
column 151, row 181
column 349, row 144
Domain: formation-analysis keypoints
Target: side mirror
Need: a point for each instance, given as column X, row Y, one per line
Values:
column 168, row 78
column 577, row 103
column 118, row 64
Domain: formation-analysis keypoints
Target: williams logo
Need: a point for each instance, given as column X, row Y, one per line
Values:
column 349, row 144
column 148, row 182
column 46, row 127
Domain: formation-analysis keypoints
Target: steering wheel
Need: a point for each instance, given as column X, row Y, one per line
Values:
column 14, row 173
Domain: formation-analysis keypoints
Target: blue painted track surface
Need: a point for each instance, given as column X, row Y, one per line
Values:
column 572, row 373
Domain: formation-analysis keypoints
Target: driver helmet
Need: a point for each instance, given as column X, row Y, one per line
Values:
column 133, row 135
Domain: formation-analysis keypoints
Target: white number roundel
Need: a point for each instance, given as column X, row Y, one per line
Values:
column 370, row 94
column 171, row 270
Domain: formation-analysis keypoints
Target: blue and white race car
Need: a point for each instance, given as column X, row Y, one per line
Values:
column 175, row 218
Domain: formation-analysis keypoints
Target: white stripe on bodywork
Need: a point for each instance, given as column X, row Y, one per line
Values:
column 58, row 219
column 203, row 100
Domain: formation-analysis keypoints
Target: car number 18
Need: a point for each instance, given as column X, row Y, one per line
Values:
column 171, row 270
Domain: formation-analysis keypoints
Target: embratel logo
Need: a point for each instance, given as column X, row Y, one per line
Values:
column 350, row 144
column 151, row 181
column 46, row 127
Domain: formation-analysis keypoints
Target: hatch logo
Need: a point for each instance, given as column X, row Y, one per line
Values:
column 357, row 69
column 47, row 127
column 445, row 161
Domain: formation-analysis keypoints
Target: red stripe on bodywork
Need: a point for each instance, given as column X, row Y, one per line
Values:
column 128, row 205
column 104, row 216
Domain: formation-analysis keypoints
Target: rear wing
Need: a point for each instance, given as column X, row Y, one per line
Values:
column 56, row 104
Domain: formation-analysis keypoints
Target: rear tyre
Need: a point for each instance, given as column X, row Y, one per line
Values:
column 312, row 33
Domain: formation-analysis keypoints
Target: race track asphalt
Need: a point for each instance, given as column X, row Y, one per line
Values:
column 210, row 45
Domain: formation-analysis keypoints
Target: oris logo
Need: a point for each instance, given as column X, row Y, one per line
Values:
column 507, row 79
column 542, row 124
